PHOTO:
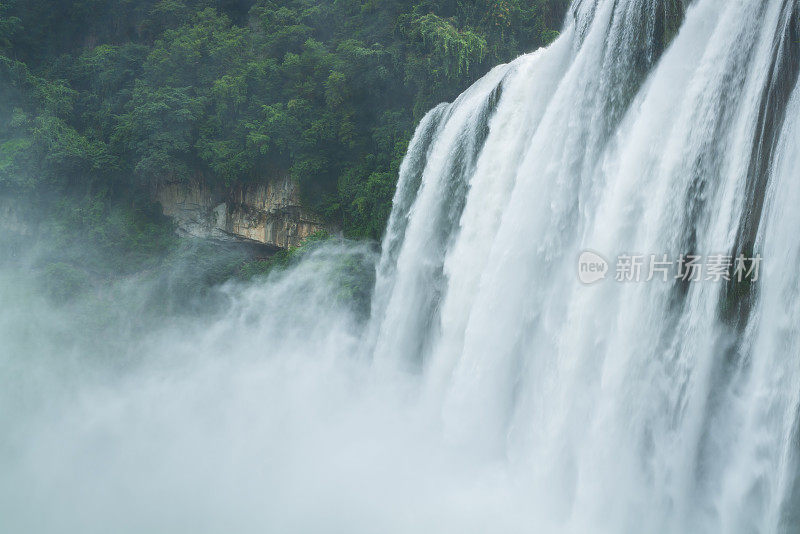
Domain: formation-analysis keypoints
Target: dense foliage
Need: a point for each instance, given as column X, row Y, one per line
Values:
column 99, row 97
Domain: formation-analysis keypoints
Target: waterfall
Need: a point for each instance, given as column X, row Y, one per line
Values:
column 490, row 389
column 607, row 141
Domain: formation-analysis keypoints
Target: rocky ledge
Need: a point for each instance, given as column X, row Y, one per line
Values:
column 267, row 214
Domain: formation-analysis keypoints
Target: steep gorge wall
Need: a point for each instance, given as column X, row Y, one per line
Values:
column 269, row 214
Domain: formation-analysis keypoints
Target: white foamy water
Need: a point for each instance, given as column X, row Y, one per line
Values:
column 488, row 390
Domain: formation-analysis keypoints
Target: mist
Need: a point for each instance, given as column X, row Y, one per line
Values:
column 261, row 414
column 460, row 376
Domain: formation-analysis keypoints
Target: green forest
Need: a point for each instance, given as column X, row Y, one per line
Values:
column 98, row 98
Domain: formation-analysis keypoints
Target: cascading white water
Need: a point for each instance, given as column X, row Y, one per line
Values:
column 615, row 386
column 494, row 392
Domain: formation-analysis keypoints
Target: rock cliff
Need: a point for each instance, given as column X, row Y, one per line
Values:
column 268, row 214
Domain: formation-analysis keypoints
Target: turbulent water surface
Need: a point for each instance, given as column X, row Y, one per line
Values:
column 488, row 390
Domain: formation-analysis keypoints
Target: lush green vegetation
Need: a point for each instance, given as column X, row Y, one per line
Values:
column 102, row 96
column 99, row 98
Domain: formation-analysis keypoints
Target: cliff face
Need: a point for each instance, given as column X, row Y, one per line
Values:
column 268, row 214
